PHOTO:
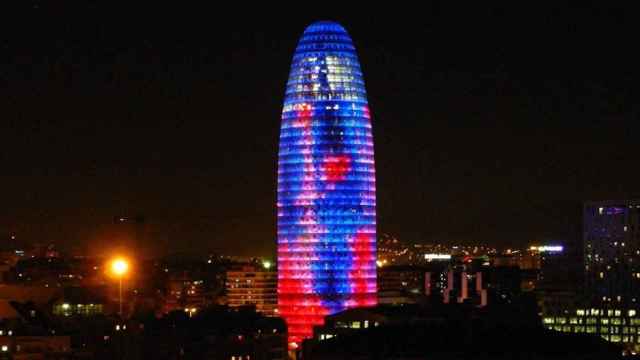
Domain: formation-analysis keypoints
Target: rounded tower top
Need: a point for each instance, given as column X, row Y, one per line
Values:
column 325, row 36
column 325, row 26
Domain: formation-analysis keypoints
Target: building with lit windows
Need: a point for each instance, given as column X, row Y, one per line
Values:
column 612, row 252
column 615, row 325
column 609, row 307
column 326, row 207
column 249, row 286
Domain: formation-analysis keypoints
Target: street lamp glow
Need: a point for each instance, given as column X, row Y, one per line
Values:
column 119, row 266
column 266, row 264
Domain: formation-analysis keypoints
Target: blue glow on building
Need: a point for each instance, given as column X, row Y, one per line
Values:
column 326, row 184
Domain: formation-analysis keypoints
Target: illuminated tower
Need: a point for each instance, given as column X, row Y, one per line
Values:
column 612, row 252
column 326, row 184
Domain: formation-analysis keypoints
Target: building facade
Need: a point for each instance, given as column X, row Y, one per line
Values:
column 326, row 207
column 615, row 325
column 609, row 305
column 612, row 252
column 249, row 286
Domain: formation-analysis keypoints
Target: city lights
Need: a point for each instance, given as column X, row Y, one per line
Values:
column 191, row 311
column 430, row 257
column 547, row 248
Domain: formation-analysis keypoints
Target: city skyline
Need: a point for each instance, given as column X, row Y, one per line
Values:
column 193, row 182
column 484, row 135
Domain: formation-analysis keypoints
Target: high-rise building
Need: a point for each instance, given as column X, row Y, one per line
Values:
column 326, row 184
column 251, row 286
column 612, row 252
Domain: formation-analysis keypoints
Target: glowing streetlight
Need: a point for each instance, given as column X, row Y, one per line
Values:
column 119, row 267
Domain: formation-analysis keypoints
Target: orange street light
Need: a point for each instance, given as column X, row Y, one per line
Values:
column 119, row 267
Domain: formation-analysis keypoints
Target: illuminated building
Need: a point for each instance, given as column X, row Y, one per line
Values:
column 612, row 252
column 609, row 308
column 249, row 286
column 326, row 184
column 465, row 287
column 613, row 324
column 80, row 301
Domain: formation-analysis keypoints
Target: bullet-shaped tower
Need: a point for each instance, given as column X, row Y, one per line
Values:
column 326, row 184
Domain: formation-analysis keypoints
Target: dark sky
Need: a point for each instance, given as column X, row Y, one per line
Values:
column 491, row 125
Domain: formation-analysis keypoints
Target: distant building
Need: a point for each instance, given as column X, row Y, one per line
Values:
column 401, row 284
column 38, row 295
column 80, row 301
column 266, row 341
column 348, row 321
column 183, row 292
column 465, row 287
column 353, row 320
column 558, row 302
column 615, row 325
column 250, row 285
column 450, row 331
column 612, row 252
column 559, row 270
column 608, row 306
column 35, row 347
column 525, row 261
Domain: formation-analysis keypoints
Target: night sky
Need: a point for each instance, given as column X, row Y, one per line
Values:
column 490, row 125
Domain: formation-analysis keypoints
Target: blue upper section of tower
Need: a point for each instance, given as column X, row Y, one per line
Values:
column 326, row 50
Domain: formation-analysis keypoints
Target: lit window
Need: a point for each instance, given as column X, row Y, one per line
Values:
column 615, row 338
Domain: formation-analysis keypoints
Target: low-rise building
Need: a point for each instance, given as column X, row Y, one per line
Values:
column 612, row 324
column 249, row 285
